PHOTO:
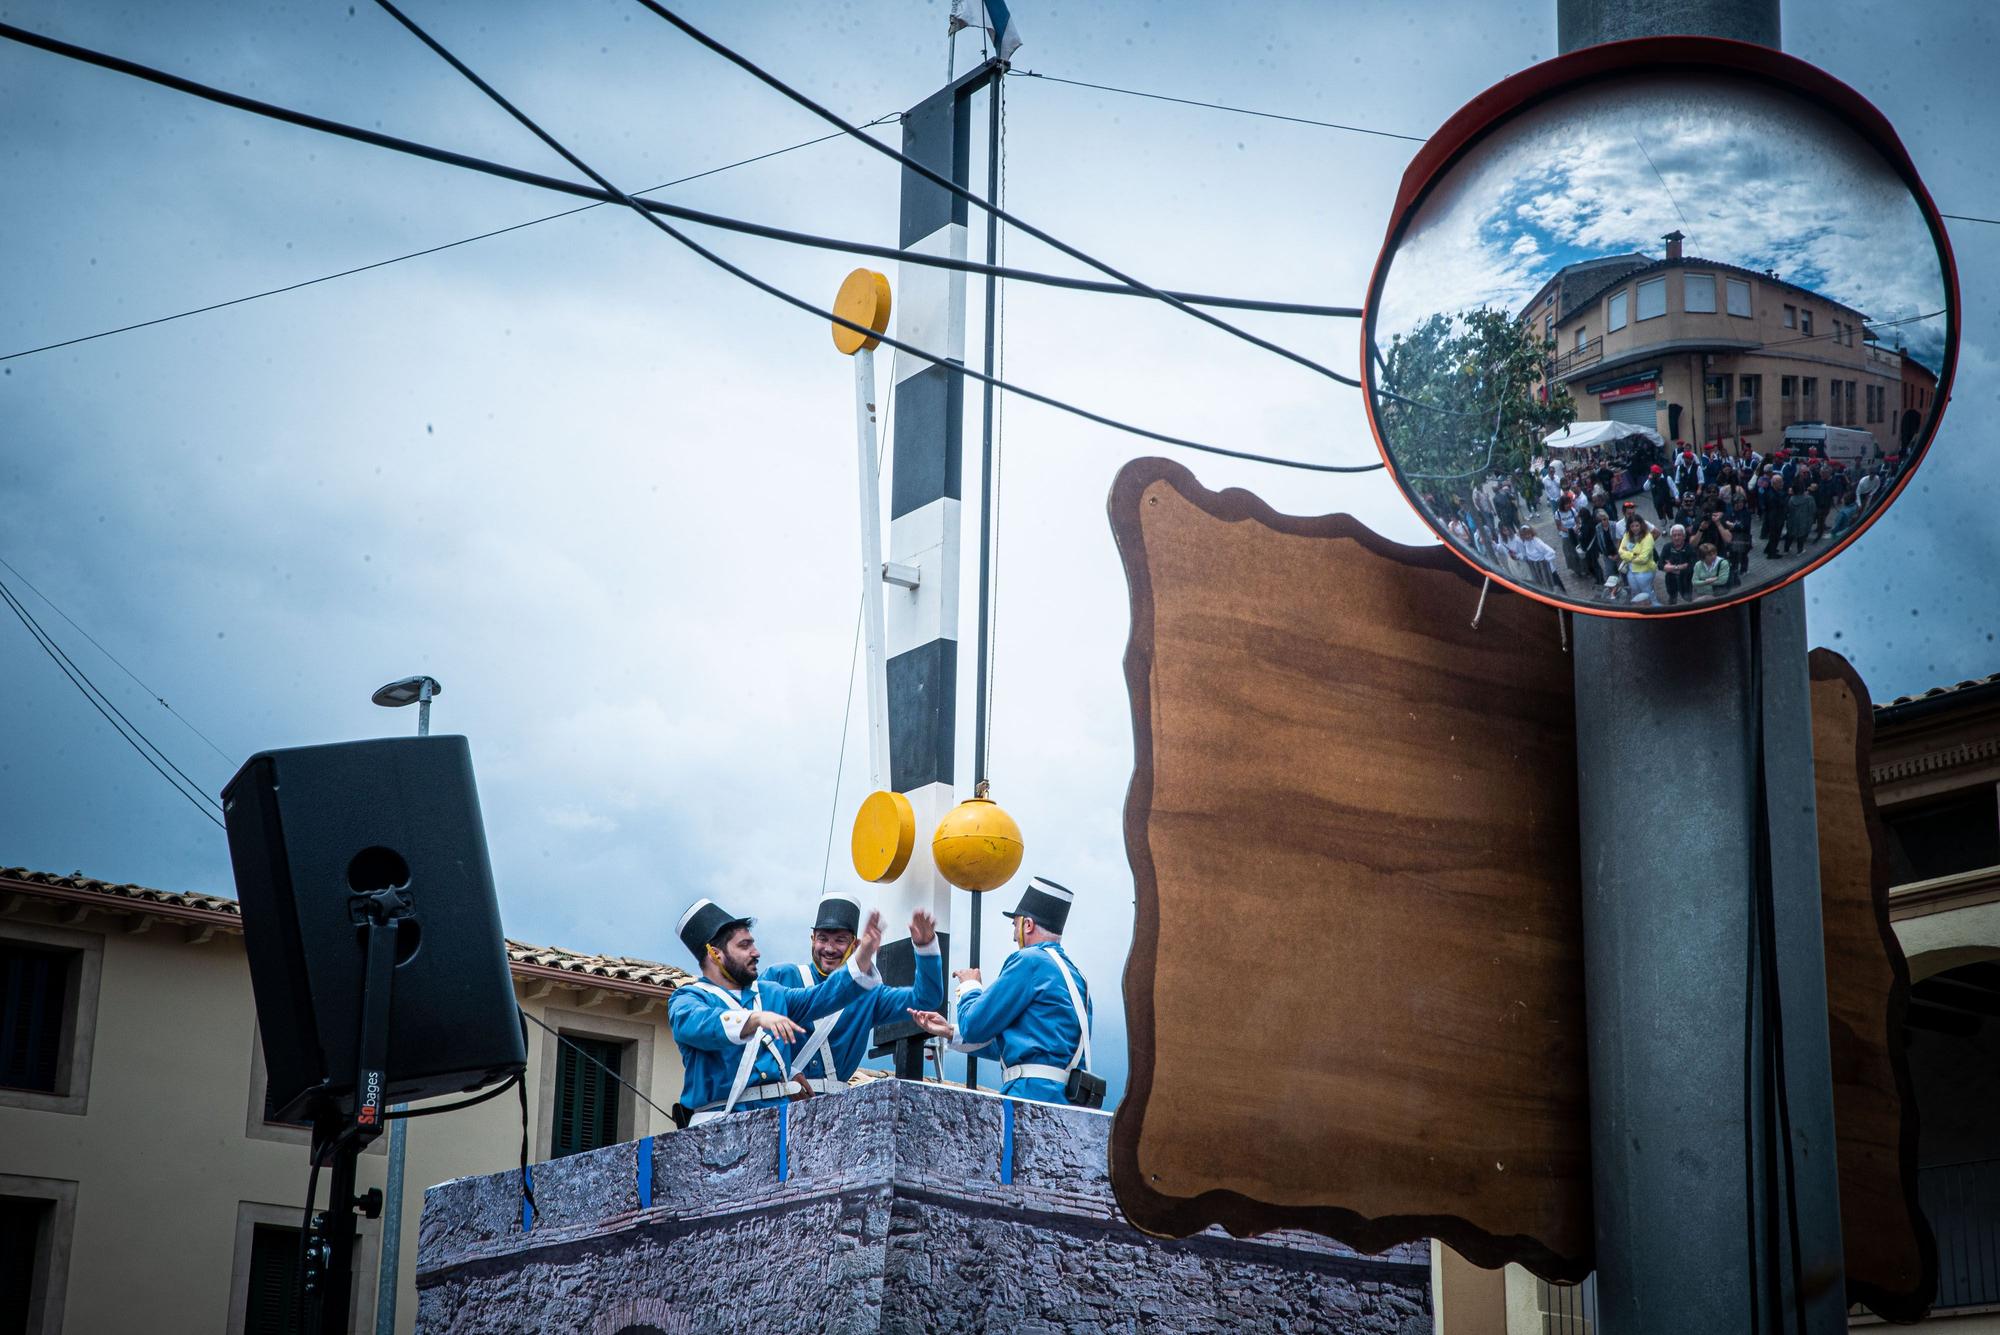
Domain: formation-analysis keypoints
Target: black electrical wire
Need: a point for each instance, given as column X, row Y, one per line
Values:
column 1966, row 217
column 100, row 702
column 415, row 254
column 1777, row 1112
column 597, row 197
column 801, row 303
column 984, row 205
column 493, row 1093
column 25, row 582
column 563, row 1038
column 1217, row 106
column 647, row 208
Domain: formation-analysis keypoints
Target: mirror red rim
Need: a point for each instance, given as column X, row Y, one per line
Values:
column 1520, row 92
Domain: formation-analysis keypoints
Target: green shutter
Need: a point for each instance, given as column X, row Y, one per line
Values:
column 32, row 987
column 22, row 1220
column 586, row 1102
column 271, row 1307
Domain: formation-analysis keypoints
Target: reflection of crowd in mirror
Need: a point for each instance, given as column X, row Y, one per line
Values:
column 1708, row 514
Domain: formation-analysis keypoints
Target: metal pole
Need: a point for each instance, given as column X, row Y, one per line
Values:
column 871, row 567
column 386, row 1278
column 1711, row 1097
column 985, row 664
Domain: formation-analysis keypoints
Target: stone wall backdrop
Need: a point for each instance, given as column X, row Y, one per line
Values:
column 893, row 1218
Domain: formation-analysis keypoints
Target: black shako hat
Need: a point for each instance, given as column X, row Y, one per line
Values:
column 703, row 922
column 839, row 913
column 1046, row 902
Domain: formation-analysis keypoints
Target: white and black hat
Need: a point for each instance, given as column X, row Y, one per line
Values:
column 839, row 913
column 703, row 922
column 1046, row 902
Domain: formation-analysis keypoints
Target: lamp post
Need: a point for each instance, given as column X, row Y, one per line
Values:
column 418, row 691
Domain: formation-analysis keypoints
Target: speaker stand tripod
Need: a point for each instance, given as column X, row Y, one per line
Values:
column 345, row 1129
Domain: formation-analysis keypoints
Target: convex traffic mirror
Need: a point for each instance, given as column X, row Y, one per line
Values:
column 1659, row 326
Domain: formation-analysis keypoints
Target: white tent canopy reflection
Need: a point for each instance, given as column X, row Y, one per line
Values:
column 1585, row 435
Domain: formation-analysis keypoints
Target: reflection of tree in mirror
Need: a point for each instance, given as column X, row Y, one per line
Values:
column 1478, row 375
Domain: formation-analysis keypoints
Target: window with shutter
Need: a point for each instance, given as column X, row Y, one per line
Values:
column 271, row 1302
column 586, row 1097
column 23, row 1223
column 34, row 1006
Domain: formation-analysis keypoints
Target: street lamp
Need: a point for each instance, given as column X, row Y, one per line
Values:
column 419, row 691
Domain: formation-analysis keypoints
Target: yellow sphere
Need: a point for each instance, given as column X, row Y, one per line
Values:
column 977, row 845
column 885, row 834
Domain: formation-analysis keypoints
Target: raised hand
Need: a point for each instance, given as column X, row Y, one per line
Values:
column 871, row 941
column 932, row 1023
column 966, row 975
column 778, row 1026
column 923, row 927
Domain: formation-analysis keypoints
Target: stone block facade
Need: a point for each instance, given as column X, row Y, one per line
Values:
column 892, row 1217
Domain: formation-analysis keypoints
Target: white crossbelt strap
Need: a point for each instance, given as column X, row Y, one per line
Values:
column 1059, row 1074
column 748, row 1062
column 1082, row 1053
column 824, row 1031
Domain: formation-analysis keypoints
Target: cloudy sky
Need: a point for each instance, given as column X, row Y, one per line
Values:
column 604, row 492
column 1753, row 177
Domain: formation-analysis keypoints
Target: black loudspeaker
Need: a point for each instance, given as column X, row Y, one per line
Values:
column 313, row 831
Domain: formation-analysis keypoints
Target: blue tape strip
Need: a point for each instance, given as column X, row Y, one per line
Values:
column 527, row 1207
column 784, row 1140
column 645, row 1172
column 1006, row 1142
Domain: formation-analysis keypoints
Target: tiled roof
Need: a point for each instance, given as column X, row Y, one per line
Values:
column 140, row 895
column 1937, row 692
column 612, row 969
column 617, row 968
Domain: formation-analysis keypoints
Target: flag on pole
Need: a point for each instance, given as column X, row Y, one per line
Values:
column 999, row 23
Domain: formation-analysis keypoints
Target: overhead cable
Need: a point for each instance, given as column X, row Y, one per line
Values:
column 161, row 699
column 771, row 289
column 1217, row 106
column 102, row 703
column 984, row 205
column 647, row 207
column 378, row 140
column 415, row 254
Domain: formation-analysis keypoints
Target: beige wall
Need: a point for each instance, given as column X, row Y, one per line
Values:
column 1683, row 372
column 168, row 1172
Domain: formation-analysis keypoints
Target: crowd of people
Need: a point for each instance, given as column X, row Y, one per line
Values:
column 1579, row 520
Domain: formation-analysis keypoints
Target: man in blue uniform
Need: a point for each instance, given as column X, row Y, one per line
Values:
column 1037, row 1010
column 734, row 1030
column 832, row 1049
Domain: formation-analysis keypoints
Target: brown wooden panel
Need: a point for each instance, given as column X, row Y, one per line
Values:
column 1355, row 991
column 1307, row 840
column 1891, row 1257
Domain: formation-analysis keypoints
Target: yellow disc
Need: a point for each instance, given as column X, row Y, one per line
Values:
column 977, row 845
column 885, row 833
column 864, row 299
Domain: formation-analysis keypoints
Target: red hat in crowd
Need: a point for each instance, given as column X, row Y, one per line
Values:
column 1713, row 447
column 1656, row 468
column 1631, row 505
column 1781, row 455
column 1813, row 451
column 1687, row 454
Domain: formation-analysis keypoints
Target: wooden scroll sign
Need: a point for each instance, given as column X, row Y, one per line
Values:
column 1355, row 994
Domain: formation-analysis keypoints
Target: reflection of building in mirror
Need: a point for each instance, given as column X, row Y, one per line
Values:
column 1729, row 358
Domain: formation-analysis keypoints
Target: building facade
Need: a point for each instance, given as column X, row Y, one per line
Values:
column 144, row 1184
column 1701, row 351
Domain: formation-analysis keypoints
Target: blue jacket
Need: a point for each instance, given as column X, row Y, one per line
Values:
column 848, row 1043
column 709, row 1033
column 1027, row 1013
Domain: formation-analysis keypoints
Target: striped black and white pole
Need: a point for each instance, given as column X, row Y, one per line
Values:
column 926, row 458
